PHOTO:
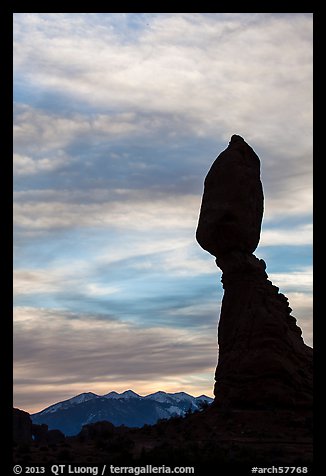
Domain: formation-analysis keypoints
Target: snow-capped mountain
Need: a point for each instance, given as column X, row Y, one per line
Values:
column 160, row 397
column 126, row 408
column 126, row 394
column 81, row 398
column 179, row 396
column 204, row 398
column 112, row 395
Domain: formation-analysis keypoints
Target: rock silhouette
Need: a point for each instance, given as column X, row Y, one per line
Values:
column 263, row 361
column 22, row 427
column 233, row 202
column 42, row 434
column 229, row 439
column 25, row 432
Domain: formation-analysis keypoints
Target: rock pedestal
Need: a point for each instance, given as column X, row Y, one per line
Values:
column 262, row 361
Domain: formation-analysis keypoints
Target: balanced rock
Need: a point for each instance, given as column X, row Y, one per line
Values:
column 263, row 361
column 233, row 202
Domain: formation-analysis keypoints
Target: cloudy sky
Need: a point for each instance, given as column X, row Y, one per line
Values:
column 117, row 119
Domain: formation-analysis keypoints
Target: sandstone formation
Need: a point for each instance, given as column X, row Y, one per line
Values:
column 42, row 434
column 263, row 361
column 22, row 427
column 25, row 432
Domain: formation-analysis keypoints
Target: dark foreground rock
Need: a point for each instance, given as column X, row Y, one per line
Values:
column 26, row 433
column 226, row 438
column 22, row 427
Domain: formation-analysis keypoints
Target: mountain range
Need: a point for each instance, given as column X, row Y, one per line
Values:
column 126, row 408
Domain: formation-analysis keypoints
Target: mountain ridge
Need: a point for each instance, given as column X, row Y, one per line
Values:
column 127, row 408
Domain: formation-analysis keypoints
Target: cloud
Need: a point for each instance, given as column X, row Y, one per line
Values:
column 46, row 281
column 143, row 281
column 24, row 165
column 138, row 210
column 168, row 79
column 54, row 347
column 289, row 191
column 167, row 212
column 298, row 287
column 302, row 305
column 101, row 336
column 141, row 287
column 200, row 67
column 296, row 280
column 39, row 130
column 295, row 236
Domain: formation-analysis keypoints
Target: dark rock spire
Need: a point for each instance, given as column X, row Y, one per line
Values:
column 263, row 361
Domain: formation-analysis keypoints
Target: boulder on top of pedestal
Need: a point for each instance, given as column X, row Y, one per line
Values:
column 233, row 202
